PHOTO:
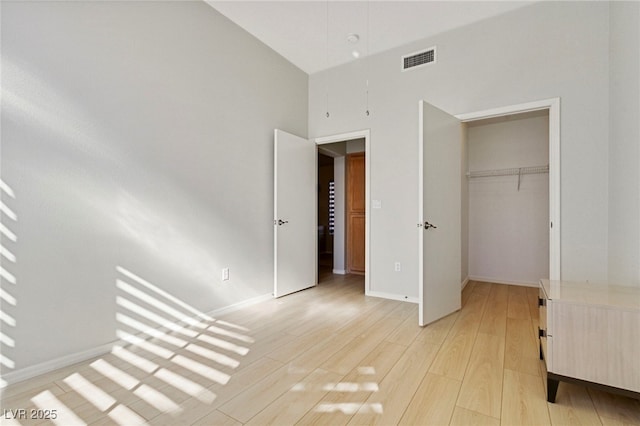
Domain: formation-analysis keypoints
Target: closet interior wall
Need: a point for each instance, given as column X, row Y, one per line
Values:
column 508, row 216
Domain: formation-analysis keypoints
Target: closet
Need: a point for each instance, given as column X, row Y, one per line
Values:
column 506, row 199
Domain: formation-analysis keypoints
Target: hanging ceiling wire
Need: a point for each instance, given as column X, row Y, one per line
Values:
column 327, row 59
column 367, row 65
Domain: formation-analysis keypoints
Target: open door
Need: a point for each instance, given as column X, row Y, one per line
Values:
column 439, row 216
column 294, row 217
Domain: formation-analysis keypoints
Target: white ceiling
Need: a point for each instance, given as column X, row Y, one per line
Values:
column 298, row 29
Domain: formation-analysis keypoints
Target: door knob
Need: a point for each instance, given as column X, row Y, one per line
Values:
column 427, row 225
column 282, row 222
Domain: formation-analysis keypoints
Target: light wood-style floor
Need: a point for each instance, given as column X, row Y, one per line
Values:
column 328, row 355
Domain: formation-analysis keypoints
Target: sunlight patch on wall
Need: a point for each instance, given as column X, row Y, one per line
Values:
column 163, row 293
column 7, row 254
column 7, row 319
column 29, row 98
column 161, row 237
column 6, row 340
column 150, row 331
column 7, row 276
column 8, row 260
column 159, row 320
column 143, row 344
column 7, row 362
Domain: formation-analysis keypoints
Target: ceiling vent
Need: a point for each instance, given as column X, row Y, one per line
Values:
column 419, row 59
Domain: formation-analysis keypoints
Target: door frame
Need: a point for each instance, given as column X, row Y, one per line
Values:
column 344, row 137
column 553, row 106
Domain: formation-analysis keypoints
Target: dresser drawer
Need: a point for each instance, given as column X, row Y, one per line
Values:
column 543, row 327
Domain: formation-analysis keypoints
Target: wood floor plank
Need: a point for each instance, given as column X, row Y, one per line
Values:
column 573, row 406
column 294, row 345
column 521, row 351
column 257, row 397
column 615, row 407
column 397, row 388
column 348, row 396
column 433, row 402
column 322, row 350
column 481, row 390
column 518, row 303
column 494, row 318
column 406, row 333
column 298, row 400
column 190, row 412
column 466, row 292
column 358, row 325
column 454, row 355
column 482, row 288
column 524, row 400
column 464, row 417
column 347, row 358
column 218, row 419
column 532, row 298
column 437, row 331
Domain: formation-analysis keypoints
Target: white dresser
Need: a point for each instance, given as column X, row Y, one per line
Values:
column 590, row 334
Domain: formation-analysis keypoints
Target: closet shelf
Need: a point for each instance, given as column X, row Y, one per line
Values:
column 509, row 172
column 517, row 171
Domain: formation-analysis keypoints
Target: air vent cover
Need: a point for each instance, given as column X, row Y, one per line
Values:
column 419, row 59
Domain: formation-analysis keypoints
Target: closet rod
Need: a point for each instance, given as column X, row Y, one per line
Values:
column 509, row 172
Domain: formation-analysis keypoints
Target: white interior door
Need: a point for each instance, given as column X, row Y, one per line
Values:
column 294, row 214
column 440, row 150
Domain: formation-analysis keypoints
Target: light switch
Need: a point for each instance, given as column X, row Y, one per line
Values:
column 376, row 204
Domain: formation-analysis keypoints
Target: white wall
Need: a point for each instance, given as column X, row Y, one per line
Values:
column 133, row 137
column 549, row 49
column 624, row 146
column 508, row 227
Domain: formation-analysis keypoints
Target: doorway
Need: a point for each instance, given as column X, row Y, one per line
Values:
column 552, row 108
column 439, row 135
column 507, row 203
column 326, row 215
column 332, row 221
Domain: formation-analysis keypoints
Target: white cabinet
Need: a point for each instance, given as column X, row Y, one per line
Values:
column 590, row 334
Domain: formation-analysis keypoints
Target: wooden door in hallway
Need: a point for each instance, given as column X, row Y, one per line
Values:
column 355, row 183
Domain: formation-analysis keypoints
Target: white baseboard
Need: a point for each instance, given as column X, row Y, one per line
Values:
column 240, row 305
column 339, row 272
column 67, row 360
column 464, row 283
column 501, row 281
column 57, row 363
column 391, row 296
